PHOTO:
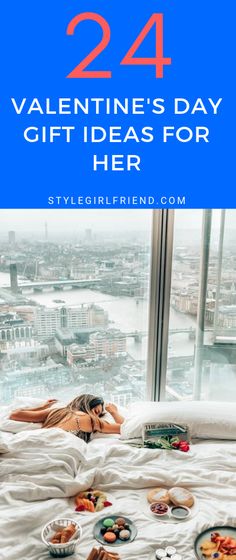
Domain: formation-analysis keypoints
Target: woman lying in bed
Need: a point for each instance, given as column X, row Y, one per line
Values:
column 81, row 417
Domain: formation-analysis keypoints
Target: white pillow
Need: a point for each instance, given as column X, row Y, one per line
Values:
column 206, row 419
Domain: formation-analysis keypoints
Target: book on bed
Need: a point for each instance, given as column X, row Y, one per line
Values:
column 164, row 434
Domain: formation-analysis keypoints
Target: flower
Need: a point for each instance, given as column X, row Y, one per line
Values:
column 184, row 446
column 167, row 442
column 175, row 444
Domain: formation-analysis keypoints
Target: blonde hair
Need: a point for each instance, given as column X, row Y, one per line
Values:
column 56, row 416
column 85, row 403
column 82, row 404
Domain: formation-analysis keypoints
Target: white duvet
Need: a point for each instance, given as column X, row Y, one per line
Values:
column 44, row 468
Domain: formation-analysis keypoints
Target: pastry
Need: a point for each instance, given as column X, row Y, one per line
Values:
column 120, row 521
column 108, row 522
column 109, row 537
column 64, row 535
column 181, row 497
column 158, row 495
column 124, row 535
column 68, row 533
column 102, row 554
column 93, row 554
column 56, row 538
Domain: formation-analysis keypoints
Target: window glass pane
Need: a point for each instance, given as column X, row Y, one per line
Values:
column 203, row 366
column 219, row 352
column 74, row 289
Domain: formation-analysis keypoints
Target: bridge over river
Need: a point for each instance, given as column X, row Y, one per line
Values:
column 138, row 335
column 39, row 286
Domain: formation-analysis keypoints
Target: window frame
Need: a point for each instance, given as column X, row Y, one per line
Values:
column 159, row 302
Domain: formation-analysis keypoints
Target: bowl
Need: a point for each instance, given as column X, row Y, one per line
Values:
column 180, row 512
column 61, row 549
column 159, row 509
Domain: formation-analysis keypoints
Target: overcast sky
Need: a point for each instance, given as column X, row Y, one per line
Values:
column 59, row 220
column 73, row 219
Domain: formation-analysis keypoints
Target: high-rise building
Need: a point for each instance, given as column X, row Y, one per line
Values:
column 11, row 237
column 48, row 320
column 13, row 278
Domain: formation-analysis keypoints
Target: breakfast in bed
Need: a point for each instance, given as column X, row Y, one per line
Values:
column 177, row 495
column 63, row 535
column 108, row 489
column 91, row 501
column 175, row 503
column 102, row 554
column 219, row 547
column 115, row 530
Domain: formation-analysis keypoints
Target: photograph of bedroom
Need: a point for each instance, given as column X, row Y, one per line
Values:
column 118, row 384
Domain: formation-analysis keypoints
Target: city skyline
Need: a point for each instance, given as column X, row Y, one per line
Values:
column 59, row 221
column 97, row 220
column 74, row 316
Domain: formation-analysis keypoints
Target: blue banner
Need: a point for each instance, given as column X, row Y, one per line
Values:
column 88, row 119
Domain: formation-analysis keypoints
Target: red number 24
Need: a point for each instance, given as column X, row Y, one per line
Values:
column 158, row 61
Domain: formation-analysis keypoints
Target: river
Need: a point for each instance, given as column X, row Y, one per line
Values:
column 124, row 313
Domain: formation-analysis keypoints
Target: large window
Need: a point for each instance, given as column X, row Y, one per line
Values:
column 125, row 304
column 202, row 329
column 74, row 293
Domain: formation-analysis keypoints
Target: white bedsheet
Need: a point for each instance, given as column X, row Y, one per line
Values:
column 46, row 467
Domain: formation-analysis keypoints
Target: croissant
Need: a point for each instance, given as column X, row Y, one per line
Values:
column 67, row 533
column 56, row 538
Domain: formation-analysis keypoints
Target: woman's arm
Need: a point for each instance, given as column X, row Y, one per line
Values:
column 47, row 404
column 27, row 415
column 95, row 424
column 113, row 410
column 107, row 428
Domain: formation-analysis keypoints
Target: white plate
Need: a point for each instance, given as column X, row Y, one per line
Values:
column 110, row 498
column 144, row 505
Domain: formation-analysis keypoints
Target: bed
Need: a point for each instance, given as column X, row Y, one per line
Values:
column 43, row 469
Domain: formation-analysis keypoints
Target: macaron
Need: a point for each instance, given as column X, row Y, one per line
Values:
column 109, row 537
column 124, row 535
column 108, row 522
column 120, row 521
